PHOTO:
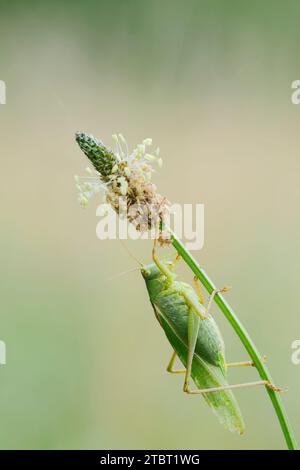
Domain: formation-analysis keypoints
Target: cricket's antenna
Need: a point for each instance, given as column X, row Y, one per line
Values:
column 131, row 254
column 112, row 278
column 129, row 270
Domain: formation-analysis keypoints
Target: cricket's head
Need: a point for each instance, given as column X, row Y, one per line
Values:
column 157, row 279
column 154, row 280
column 150, row 272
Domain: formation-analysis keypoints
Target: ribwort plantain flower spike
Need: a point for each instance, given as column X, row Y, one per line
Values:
column 102, row 158
column 123, row 174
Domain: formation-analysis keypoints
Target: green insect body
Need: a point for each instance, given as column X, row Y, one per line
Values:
column 173, row 302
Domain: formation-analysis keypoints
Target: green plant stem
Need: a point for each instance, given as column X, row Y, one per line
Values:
column 244, row 337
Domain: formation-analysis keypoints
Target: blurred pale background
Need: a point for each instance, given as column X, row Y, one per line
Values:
column 210, row 83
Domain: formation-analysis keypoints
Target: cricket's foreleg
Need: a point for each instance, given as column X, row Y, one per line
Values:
column 170, row 367
column 193, row 329
column 230, row 387
column 161, row 266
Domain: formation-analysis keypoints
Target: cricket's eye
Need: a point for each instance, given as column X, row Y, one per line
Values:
column 145, row 272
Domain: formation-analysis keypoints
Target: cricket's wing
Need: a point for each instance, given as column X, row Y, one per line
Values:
column 210, row 345
column 206, row 375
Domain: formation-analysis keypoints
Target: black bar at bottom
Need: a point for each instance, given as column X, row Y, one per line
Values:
column 139, row 458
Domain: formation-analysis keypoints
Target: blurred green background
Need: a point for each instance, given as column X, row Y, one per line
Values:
column 210, row 82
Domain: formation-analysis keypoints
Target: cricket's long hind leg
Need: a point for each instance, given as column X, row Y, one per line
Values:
column 245, row 363
column 170, row 367
column 193, row 329
column 230, row 387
